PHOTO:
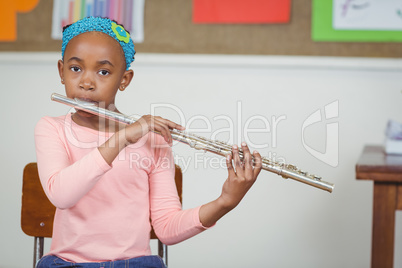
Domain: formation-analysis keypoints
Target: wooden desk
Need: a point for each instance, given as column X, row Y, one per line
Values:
column 386, row 172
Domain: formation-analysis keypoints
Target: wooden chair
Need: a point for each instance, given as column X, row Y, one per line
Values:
column 37, row 212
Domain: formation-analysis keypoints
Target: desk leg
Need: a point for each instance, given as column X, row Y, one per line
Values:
column 382, row 247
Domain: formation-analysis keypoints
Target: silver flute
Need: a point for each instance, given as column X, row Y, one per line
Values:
column 287, row 171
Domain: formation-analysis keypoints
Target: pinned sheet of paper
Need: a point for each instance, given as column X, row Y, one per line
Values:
column 130, row 13
column 8, row 17
column 367, row 14
column 240, row 11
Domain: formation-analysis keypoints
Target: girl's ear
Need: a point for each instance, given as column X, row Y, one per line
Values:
column 126, row 79
column 60, row 65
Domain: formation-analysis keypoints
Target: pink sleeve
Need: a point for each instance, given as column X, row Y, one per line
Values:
column 64, row 182
column 171, row 224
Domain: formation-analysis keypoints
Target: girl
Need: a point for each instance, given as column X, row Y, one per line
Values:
column 103, row 201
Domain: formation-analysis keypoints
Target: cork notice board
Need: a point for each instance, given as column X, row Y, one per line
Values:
column 169, row 29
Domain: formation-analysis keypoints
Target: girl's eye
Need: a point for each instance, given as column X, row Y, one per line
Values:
column 103, row 72
column 75, row 69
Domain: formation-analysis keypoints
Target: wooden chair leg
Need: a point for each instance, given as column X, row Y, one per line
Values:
column 163, row 252
column 38, row 249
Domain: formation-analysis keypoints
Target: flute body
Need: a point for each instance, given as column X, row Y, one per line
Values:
column 287, row 171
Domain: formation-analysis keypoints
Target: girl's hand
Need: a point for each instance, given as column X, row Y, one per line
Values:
column 133, row 132
column 147, row 123
column 240, row 179
column 241, row 176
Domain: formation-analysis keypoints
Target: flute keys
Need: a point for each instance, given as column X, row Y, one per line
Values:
column 317, row 178
column 302, row 172
column 291, row 167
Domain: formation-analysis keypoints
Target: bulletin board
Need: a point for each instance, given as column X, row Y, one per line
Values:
column 169, row 29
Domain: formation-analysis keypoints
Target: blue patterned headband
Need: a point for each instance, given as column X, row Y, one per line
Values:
column 104, row 25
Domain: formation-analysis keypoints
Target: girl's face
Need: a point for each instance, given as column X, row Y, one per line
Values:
column 93, row 69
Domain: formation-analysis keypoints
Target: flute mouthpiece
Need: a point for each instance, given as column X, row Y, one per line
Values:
column 85, row 102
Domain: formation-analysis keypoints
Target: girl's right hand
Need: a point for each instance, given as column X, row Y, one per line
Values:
column 147, row 123
column 133, row 132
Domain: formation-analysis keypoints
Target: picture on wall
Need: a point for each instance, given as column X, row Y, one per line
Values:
column 357, row 20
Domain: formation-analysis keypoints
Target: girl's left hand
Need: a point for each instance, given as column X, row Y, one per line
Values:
column 241, row 176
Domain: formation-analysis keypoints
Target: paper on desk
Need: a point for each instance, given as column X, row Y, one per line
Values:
column 393, row 138
column 394, row 130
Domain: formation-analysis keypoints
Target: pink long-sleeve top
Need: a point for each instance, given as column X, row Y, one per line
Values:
column 103, row 212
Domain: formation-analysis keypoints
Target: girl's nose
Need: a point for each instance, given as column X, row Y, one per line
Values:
column 87, row 82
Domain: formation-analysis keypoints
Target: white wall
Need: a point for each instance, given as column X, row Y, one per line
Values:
column 280, row 223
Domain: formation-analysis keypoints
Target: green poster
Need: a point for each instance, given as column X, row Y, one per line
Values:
column 322, row 29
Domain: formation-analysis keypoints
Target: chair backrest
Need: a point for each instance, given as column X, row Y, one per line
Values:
column 37, row 213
